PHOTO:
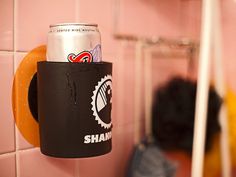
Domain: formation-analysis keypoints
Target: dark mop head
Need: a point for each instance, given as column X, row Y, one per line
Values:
column 173, row 115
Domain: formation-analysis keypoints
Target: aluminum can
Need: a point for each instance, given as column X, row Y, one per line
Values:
column 74, row 42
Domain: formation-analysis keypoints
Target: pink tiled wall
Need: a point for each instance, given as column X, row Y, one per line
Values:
column 24, row 25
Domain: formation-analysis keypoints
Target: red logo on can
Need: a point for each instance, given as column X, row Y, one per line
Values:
column 84, row 56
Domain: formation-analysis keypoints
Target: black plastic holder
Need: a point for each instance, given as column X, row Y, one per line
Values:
column 74, row 108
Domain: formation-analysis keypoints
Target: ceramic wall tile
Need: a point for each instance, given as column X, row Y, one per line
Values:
column 34, row 17
column 6, row 25
column 33, row 163
column 7, row 165
column 7, row 136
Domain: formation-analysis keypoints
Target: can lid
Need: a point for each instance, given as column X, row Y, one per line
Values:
column 73, row 24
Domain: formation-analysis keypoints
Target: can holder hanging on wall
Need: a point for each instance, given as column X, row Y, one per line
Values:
column 74, row 108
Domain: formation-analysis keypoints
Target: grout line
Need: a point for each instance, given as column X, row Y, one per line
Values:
column 28, row 149
column 17, row 160
column 17, row 163
column 21, row 51
column 6, row 52
column 14, row 125
column 19, row 150
column 14, row 24
column 13, row 74
column 7, row 154
column 17, row 154
column 2, row 52
column 14, row 66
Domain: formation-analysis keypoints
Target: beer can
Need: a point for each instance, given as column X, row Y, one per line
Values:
column 74, row 42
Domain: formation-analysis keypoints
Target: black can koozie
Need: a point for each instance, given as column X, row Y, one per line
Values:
column 74, row 108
